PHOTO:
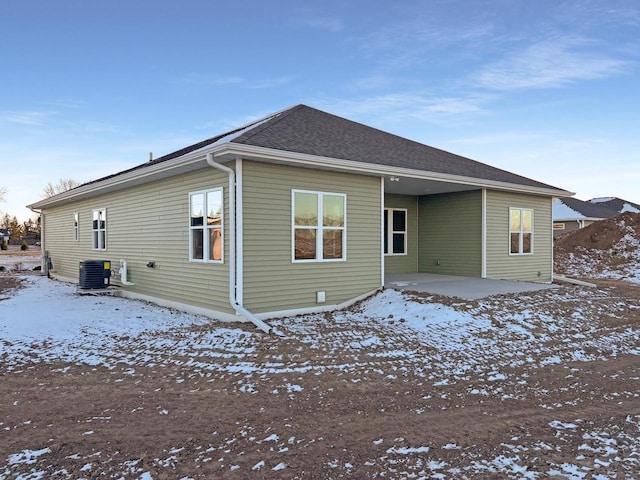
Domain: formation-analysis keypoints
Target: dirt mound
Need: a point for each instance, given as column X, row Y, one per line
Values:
column 601, row 235
column 606, row 249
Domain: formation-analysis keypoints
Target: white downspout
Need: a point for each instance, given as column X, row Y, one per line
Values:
column 483, row 254
column 382, row 232
column 233, row 249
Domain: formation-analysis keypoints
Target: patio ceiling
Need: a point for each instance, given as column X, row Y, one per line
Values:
column 415, row 186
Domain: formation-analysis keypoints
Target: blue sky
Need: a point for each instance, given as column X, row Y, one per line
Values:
column 546, row 89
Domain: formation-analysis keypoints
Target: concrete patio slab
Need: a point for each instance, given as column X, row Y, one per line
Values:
column 467, row 288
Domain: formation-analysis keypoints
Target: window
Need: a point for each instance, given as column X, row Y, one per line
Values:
column 395, row 231
column 319, row 226
column 521, row 231
column 559, row 226
column 76, row 218
column 205, row 238
column 99, row 229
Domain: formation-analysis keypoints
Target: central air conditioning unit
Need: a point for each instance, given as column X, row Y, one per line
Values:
column 95, row 273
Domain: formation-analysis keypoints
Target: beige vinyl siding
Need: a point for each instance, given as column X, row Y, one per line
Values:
column 145, row 223
column 518, row 267
column 272, row 282
column 394, row 264
column 450, row 231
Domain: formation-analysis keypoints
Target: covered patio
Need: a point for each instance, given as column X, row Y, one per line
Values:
column 467, row 288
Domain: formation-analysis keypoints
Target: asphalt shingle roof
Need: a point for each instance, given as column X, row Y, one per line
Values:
column 588, row 209
column 302, row 129
column 618, row 205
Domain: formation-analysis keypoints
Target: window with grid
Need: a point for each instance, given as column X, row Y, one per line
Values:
column 76, row 219
column 206, row 226
column 520, row 231
column 99, row 229
column 319, row 226
column 395, row 231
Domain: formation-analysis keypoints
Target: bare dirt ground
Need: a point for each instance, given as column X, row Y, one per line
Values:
column 606, row 249
column 547, row 387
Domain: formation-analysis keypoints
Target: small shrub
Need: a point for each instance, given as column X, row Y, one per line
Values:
column 24, row 246
column 3, row 245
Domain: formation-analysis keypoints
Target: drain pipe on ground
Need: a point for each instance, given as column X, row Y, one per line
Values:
column 233, row 249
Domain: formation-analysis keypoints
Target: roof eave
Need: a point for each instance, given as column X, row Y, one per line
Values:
column 230, row 150
column 233, row 150
column 124, row 179
column 575, row 219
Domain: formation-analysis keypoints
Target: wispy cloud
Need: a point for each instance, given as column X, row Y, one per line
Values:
column 549, row 63
column 589, row 14
column 400, row 107
column 506, row 137
column 317, row 17
column 65, row 104
column 27, row 118
column 372, row 82
column 332, row 24
column 269, row 82
column 101, row 127
column 213, row 80
column 422, row 34
column 422, row 38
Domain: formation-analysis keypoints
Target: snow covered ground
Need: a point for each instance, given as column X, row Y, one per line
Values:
column 621, row 262
column 454, row 352
column 19, row 262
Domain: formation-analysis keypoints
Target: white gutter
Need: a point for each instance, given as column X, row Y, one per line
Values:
column 235, row 150
column 233, row 249
column 119, row 180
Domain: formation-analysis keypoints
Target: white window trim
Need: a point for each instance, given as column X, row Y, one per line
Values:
column 76, row 226
column 99, row 247
column 390, row 231
column 319, row 228
column 559, row 226
column 205, row 228
column 521, row 232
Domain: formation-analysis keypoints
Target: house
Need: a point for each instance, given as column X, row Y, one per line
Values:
column 571, row 214
column 616, row 204
column 29, row 239
column 299, row 211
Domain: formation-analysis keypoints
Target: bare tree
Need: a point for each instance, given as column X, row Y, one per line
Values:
column 3, row 193
column 63, row 185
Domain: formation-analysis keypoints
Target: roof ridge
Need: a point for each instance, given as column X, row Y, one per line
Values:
column 587, row 208
column 214, row 139
column 196, row 146
column 268, row 122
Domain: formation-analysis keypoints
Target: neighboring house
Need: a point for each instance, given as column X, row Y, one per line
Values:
column 616, row 204
column 4, row 235
column 571, row 214
column 299, row 211
column 29, row 239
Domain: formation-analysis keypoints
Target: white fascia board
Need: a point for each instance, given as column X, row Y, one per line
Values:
column 249, row 151
column 577, row 219
column 231, row 151
column 126, row 178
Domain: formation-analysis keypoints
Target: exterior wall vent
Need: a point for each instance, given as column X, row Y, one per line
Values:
column 95, row 273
